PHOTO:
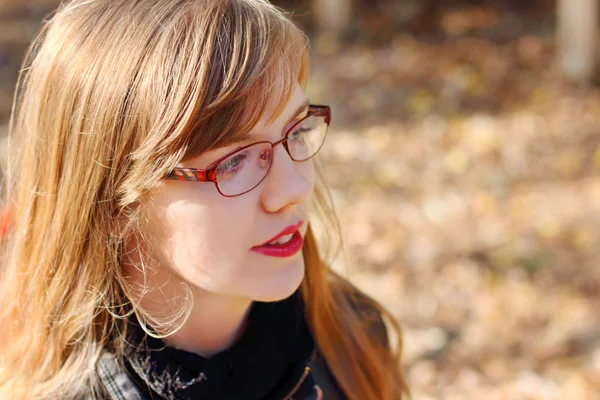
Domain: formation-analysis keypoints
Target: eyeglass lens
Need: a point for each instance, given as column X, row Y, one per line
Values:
column 246, row 169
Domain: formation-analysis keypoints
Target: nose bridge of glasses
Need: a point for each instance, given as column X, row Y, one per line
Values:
column 284, row 144
column 287, row 158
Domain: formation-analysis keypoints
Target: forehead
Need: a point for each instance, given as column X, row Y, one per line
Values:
column 268, row 103
column 296, row 104
column 295, row 107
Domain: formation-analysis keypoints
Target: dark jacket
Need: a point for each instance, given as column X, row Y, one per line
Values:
column 317, row 383
column 307, row 379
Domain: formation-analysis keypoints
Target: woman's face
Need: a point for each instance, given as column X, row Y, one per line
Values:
column 209, row 240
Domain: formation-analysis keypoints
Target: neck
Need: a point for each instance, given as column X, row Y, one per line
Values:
column 215, row 324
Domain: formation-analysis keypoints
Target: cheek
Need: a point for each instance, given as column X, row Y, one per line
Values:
column 310, row 173
column 308, row 170
column 205, row 243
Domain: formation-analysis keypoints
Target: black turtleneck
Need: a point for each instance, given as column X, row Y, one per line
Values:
column 265, row 363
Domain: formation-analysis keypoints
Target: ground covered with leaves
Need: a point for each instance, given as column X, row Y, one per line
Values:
column 466, row 176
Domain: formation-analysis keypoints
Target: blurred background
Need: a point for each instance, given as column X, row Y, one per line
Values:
column 464, row 160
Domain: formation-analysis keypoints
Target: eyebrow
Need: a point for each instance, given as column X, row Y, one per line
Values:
column 298, row 111
column 302, row 107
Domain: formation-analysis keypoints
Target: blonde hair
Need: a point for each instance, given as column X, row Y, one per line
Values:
column 114, row 94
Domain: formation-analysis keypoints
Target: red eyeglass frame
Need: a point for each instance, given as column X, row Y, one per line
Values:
column 210, row 173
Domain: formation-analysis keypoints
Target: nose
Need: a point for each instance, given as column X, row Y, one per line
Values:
column 288, row 182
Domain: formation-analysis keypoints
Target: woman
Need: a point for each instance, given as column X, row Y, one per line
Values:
column 162, row 184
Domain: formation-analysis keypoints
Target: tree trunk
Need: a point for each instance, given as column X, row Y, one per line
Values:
column 332, row 16
column 577, row 28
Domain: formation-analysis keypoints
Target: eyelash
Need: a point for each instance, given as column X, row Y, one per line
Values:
column 234, row 162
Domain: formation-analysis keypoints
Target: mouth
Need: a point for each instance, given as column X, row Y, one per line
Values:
column 285, row 244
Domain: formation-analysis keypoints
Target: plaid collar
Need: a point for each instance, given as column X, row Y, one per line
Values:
column 115, row 380
column 119, row 386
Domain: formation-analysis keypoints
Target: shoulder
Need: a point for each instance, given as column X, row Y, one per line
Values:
column 366, row 309
column 359, row 308
column 114, row 380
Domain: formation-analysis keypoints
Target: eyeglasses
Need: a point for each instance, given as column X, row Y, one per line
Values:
column 244, row 169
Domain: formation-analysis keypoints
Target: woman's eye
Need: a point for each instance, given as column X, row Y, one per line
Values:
column 298, row 134
column 231, row 167
column 235, row 160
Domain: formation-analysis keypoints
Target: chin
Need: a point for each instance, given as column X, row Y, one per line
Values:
column 281, row 286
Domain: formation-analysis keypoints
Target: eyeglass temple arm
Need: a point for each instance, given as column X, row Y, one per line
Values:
column 326, row 109
column 189, row 174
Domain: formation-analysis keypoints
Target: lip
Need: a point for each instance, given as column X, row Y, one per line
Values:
column 283, row 250
column 286, row 231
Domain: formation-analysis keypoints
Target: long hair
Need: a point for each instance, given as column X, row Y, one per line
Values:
column 112, row 95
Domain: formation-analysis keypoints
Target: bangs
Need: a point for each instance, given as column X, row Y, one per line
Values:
column 255, row 59
column 211, row 70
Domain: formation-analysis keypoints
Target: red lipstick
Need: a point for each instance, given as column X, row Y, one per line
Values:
column 288, row 249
